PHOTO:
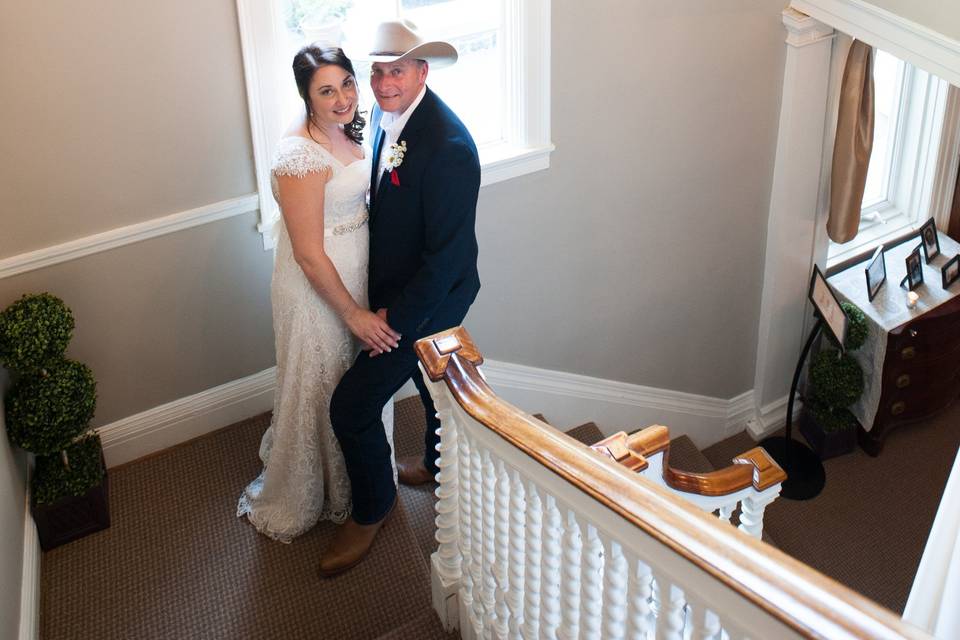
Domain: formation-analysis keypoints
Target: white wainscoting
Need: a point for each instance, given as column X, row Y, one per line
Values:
column 566, row 399
column 129, row 234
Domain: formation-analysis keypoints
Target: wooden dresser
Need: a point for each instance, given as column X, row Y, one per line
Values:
column 911, row 361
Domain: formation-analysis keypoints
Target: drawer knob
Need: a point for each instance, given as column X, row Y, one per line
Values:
column 898, row 408
column 912, row 332
column 903, row 381
column 909, row 353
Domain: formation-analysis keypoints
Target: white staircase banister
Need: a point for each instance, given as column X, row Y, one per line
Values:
column 792, row 593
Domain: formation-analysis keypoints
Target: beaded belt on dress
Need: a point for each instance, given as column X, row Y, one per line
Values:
column 346, row 227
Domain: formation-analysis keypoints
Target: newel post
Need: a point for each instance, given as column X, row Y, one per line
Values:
column 446, row 564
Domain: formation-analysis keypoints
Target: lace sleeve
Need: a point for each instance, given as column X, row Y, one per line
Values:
column 298, row 157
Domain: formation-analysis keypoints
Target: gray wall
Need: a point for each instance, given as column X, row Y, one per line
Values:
column 123, row 112
column 12, row 475
column 638, row 256
column 118, row 112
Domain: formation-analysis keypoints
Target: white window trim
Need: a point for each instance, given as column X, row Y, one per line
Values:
column 526, row 147
column 912, row 197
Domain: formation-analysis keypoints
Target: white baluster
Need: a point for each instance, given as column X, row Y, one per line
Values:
column 726, row 511
column 534, row 552
column 751, row 511
column 641, row 623
column 572, row 546
column 552, row 560
column 614, row 592
column 591, row 593
column 502, row 548
column 447, row 518
column 670, row 618
column 466, row 527
column 489, row 544
column 706, row 624
column 518, row 508
column 479, row 535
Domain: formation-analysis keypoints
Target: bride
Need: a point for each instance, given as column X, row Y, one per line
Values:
column 320, row 178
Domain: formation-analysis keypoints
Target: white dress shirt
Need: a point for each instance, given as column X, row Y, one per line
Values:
column 392, row 125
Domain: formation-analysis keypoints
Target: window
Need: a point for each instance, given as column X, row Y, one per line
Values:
column 500, row 86
column 910, row 111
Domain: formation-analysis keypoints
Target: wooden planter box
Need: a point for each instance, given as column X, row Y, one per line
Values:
column 826, row 444
column 73, row 517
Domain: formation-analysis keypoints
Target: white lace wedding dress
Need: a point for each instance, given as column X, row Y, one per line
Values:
column 304, row 478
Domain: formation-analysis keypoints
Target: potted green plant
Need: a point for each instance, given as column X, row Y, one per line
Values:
column 834, row 384
column 48, row 411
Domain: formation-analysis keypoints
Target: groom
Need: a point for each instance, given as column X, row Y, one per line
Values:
column 423, row 270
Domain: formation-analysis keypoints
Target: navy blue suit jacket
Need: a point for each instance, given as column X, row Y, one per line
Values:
column 423, row 246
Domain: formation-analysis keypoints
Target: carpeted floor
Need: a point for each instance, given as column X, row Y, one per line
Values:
column 868, row 528
column 177, row 562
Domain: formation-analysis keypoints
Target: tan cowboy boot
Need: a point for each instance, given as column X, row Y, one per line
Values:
column 351, row 544
column 411, row 472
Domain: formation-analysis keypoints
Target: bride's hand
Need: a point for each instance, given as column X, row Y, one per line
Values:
column 372, row 330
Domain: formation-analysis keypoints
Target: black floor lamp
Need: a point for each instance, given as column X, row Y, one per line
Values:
column 805, row 474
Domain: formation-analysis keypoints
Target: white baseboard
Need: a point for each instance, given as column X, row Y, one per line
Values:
column 771, row 418
column 30, row 581
column 181, row 420
column 566, row 399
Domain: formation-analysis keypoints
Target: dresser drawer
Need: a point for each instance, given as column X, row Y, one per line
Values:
column 930, row 335
column 925, row 395
column 910, row 375
column 921, row 341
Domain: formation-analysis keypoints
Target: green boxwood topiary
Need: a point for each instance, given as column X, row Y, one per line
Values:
column 837, row 382
column 53, row 481
column 831, row 420
column 856, row 326
column 47, row 409
column 34, row 332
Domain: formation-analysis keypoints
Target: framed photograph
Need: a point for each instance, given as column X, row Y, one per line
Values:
column 914, row 277
column 950, row 271
column 876, row 272
column 931, row 244
column 828, row 307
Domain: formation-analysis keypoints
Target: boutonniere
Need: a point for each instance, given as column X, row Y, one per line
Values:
column 395, row 159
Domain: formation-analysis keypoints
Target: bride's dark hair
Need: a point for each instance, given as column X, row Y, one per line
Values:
column 306, row 63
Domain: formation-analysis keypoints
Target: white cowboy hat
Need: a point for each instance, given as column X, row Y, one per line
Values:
column 399, row 40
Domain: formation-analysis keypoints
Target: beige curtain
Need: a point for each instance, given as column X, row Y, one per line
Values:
column 851, row 151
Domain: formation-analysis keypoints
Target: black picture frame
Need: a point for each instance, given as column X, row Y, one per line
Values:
column 827, row 306
column 950, row 271
column 929, row 240
column 876, row 273
column 914, row 265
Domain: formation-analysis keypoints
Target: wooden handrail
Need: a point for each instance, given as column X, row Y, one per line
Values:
column 797, row 595
column 754, row 467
